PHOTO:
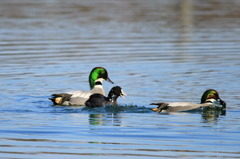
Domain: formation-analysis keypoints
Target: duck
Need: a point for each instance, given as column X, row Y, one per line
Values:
column 99, row 100
column 210, row 98
column 79, row 97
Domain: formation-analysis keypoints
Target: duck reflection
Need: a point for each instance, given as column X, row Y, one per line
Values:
column 96, row 119
column 109, row 119
column 211, row 115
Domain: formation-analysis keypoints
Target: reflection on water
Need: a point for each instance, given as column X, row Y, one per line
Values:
column 212, row 115
column 157, row 51
column 105, row 119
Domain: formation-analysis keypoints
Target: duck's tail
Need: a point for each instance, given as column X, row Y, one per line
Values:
column 160, row 106
column 59, row 99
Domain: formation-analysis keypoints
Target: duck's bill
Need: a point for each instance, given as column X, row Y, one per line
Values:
column 123, row 94
column 108, row 79
column 222, row 103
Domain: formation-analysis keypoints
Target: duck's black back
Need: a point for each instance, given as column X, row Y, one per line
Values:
column 96, row 100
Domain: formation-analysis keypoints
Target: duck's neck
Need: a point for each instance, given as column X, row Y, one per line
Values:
column 93, row 80
column 98, row 83
column 218, row 102
column 112, row 98
column 210, row 101
column 98, row 88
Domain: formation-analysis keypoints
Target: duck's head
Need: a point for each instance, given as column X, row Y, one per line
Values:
column 98, row 73
column 212, row 94
column 115, row 92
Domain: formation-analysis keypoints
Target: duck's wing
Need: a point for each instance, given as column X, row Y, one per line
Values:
column 77, row 97
column 178, row 106
column 80, row 93
column 59, row 99
column 77, row 101
column 70, row 98
column 185, row 106
column 86, row 94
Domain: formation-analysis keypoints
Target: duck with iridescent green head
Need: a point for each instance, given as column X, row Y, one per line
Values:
column 79, row 97
column 210, row 98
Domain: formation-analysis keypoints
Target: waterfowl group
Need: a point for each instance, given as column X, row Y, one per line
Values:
column 79, row 97
column 95, row 97
column 210, row 98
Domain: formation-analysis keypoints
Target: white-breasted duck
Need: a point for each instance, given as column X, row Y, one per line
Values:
column 79, row 97
column 210, row 98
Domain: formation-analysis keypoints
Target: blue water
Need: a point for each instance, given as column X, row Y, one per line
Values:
column 156, row 51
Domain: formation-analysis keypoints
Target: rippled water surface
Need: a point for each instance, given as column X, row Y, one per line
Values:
column 156, row 50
